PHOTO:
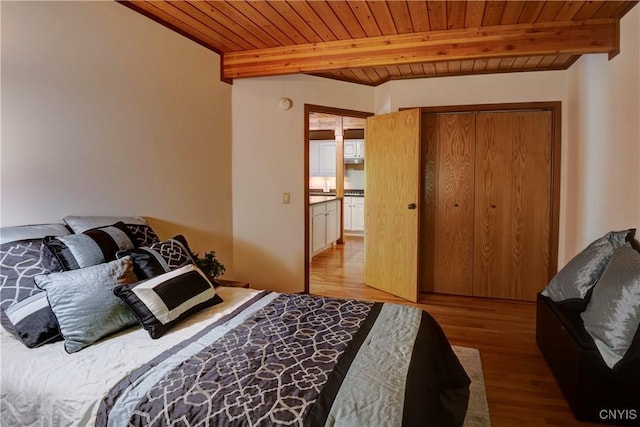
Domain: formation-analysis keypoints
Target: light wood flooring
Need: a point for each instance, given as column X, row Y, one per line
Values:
column 521, row 391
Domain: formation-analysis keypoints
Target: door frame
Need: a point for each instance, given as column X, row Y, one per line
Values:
column 555, row 107
column 308, row 109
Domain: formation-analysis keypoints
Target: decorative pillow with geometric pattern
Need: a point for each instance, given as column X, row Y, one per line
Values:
column 143, row 235
column 24, row 309
column 160, row 258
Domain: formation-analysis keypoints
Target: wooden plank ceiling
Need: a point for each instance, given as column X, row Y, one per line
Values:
column 372, row 42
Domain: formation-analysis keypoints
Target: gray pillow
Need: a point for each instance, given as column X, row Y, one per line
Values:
column 613, row 313
column 27, row 232
column 138, row 228
column 84, row 304
column 574, row 281
column 80, row 224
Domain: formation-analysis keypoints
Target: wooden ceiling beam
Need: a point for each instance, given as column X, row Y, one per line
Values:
column 500, row 41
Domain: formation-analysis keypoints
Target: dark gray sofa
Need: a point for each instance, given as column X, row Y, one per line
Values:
column 594, row 391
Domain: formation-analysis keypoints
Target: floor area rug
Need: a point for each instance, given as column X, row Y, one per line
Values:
column 478, row 410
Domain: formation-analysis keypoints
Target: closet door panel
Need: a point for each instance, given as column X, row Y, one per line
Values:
column 493, row 205
column 455, row 204
column 513, row 204
column 429, row 135
column 531, row 204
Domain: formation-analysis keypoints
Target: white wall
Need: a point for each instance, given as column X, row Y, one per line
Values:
column 268, row 160
column 105, row 112
column 604, row 126
column 354, row 177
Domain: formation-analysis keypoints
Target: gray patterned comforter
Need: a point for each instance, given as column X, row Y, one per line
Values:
column 300, row 360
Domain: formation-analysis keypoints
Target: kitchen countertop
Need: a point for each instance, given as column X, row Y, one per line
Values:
column 314, row 200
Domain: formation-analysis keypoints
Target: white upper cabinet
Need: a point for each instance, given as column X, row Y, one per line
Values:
column 360, row 148
column 354, row 148
column 322, row 158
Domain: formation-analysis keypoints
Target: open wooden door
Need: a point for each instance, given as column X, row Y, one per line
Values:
column 392, row 176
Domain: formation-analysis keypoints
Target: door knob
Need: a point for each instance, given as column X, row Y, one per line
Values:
column 411, row 206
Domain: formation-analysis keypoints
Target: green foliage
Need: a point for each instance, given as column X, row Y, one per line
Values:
column 210, row 265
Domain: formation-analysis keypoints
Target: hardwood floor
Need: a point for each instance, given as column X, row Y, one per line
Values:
column 521, row 391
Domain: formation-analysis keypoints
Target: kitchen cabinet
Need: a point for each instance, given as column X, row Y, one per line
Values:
column 354, row 148
column 354, row 213
column 322, row 158
column 324, row 224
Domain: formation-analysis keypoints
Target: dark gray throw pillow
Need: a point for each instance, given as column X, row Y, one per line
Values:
column 573, row 282
column 612, row 316
column 160, row 257
column 24, row 309
column 84, row 304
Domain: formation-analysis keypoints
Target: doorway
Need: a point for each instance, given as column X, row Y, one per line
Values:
column 331, row 136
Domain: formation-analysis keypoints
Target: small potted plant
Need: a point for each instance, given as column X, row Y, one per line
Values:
column 210, row 265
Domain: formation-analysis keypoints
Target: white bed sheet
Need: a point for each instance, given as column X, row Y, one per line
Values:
column 47, row 387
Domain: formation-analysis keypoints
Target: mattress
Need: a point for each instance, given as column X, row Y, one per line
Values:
column 241, row 362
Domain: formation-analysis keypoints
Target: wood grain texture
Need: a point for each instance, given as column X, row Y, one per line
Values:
column 392, row 172
column 497, row 41
column 531, row 203
column 234, row 26
column 521, row 390
column 427, row 227
column 513, row 204
column 455, row 204
column 448, row 235
column 493, row 207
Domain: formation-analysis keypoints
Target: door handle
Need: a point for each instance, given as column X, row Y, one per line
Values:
column 411, row 206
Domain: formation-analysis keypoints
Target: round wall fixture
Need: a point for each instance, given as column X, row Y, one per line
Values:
column 285, row 103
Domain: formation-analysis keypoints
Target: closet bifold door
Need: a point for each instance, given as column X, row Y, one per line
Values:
column 448, row 216
column 512, row 204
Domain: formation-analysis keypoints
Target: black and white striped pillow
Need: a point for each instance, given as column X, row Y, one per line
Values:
column 90, row 248
column 163, row 301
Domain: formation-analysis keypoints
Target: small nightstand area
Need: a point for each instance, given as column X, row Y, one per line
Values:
column 232, row 283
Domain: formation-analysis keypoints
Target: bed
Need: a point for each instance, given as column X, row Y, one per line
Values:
column 244, row 357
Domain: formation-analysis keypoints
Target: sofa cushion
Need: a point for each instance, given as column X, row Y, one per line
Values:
column 613, row 313
column 572, row 284
column 571, row 321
